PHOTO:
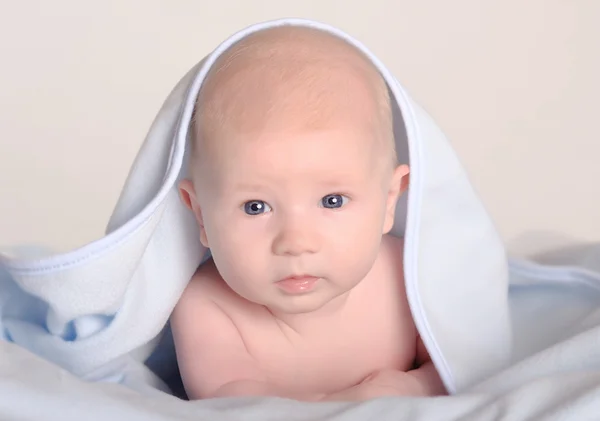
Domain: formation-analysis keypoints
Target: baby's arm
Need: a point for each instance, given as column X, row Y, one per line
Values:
column 211, row 354
column 421, row 381
column 425, row 372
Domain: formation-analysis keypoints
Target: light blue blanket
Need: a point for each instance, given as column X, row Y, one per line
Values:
column 89, row 328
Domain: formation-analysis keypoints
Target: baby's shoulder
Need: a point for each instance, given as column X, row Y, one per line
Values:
column 206, row 280
column 208, row 287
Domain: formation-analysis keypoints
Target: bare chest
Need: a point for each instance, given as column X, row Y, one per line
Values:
column 337, row 353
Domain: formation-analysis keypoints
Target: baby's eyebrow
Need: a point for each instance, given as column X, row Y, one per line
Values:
column 339, row 181
column 245, row 186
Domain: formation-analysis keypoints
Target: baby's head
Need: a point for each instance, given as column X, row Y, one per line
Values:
column 293, row 167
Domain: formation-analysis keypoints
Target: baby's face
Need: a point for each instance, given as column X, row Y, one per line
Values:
column 305, row 204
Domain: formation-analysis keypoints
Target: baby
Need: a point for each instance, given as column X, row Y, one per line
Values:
column 294, row 183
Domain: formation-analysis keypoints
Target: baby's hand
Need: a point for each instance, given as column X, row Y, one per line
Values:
column 389, row 382
column 380, row 384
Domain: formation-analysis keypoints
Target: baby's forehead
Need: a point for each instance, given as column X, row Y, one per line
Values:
column 342, row 156
column 295, row 79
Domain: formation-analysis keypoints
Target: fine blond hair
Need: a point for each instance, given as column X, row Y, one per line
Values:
column 290, row 71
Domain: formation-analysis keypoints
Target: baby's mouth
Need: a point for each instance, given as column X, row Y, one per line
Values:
column 298, row 284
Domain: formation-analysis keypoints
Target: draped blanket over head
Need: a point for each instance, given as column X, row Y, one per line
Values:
column 101, row 312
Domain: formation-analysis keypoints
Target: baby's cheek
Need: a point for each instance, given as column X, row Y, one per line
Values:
column 357, row 245
column 248, row 276
column 351, row 237
column 246, row 263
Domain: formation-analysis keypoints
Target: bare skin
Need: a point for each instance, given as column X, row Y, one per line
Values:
column 356, row 352
column 295, row 180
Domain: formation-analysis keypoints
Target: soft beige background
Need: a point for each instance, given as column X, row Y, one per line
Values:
column 513, row 83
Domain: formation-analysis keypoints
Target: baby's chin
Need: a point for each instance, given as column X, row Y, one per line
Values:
column 315, row 302
column 304, row 305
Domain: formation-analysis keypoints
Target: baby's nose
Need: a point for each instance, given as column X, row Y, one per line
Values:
column 296, row 240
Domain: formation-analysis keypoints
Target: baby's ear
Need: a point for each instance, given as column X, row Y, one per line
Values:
column 399, row 184
column 188, row 197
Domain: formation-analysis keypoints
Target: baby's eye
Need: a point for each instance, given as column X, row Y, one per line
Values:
column 333, row 201
column 256, row 207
